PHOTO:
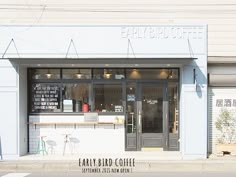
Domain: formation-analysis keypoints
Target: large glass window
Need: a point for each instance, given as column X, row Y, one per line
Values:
column 84, row 90
column 45, row 73
column 152, row 73
column 76, row 73
column 173, row 108
column 76, row 97
column 108, row 73
column 130, row 107
column 108, row 98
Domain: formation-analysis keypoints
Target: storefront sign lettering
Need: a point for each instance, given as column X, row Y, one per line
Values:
column 162, row 32
column 225, row 102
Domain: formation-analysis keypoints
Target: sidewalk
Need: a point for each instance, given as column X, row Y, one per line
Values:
column 70, row 163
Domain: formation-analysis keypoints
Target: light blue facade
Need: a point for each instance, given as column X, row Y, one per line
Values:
column 182, row 46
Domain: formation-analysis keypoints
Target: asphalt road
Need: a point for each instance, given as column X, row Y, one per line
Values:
column 156, row 174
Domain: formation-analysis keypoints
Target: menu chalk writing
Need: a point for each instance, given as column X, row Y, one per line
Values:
column 45, row 97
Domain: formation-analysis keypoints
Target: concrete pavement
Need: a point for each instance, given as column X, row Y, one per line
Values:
column 144, row 162
column 150, row 174
column 152, row 166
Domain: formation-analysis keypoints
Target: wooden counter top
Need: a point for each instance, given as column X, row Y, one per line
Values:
column 74, row 123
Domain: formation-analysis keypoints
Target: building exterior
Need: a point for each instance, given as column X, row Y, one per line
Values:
column 136, row 48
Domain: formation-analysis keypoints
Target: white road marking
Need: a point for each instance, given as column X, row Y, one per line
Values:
column 16, row 175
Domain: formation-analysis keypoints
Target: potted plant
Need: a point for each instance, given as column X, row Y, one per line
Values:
column 226, row 125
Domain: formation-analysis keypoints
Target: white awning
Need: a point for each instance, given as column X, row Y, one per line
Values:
column 102, row 62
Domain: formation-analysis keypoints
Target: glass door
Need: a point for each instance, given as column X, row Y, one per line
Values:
column 147, row 116
column 131, row 117
column 152, row 116
column 173, row 116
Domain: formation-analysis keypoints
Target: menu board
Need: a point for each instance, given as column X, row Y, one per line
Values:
column 45, row 97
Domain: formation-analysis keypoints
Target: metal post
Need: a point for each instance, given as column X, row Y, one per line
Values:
column 66, row 141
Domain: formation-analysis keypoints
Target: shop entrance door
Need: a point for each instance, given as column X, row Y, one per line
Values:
column 147, row 116
column 152, row 109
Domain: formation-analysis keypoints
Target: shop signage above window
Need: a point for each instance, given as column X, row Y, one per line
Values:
column 225, row 102
column 82, row 41
column 168, row 32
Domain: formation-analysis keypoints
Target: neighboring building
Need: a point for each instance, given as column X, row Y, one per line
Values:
column 177, row 45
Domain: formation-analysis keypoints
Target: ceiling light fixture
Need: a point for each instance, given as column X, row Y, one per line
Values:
column 170, row 75
column 163, row 74
column 79, row 74
column 48, row 74
column 107, row 74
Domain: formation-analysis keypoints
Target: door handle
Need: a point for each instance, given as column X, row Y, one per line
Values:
column 139, row 121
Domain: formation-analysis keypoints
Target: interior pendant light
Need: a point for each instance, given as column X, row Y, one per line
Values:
column 78, row 74
column 48, row 74
column 164, row 74
column 170, row 76
column 107, row 74
column 135, row 74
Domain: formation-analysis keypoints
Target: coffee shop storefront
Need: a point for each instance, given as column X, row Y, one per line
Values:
column 106, row 89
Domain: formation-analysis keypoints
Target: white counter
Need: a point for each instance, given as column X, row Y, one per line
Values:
column 83, row 137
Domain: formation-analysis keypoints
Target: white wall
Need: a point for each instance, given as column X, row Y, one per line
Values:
column 9, row 109
column 23, row 111
column 108, row 41
column 219, row 15
column 167, row 41
column 193, row 110
column 101, row 139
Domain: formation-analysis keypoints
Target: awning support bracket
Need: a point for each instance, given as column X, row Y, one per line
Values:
column 130, row 46
column 190, row 49
column 71, row 43
column 12, row 41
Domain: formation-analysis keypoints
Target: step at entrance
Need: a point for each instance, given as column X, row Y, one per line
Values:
column 151, row 149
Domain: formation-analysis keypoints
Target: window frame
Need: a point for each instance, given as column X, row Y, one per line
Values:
column 91, row 81
column 62, row 81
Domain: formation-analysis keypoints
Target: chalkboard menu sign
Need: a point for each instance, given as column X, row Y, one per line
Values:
column 45, row 98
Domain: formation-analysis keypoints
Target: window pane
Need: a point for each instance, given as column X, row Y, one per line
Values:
column 108, row 98
column 152, row 73
column 173, row 107
column 45, row 98
column 45, row 73
column 130, row 103
column 173, row 74
column 76, row 73
column 76, row 97
column 108, row 74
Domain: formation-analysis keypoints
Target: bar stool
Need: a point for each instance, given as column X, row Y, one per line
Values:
column 51, row 144
column 73, row 143
column 41, row 145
